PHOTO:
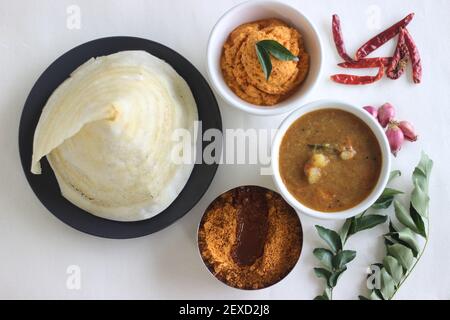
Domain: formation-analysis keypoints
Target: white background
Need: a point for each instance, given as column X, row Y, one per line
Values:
column 36, row 248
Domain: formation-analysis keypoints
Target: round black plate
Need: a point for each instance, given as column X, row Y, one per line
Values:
column 45, row 186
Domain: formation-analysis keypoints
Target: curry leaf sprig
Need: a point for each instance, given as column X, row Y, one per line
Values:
column 402, row 248
column 334, row 258
column 265, row 48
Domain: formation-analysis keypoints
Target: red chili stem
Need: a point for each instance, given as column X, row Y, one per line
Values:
column 366, row 63
column 339, row 39
column 359, row 80
column 414, row 56
column 398, row 63
column 383, row 37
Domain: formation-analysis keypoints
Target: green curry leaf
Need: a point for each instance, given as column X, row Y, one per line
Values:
column 418, row 221
column 383, row 202
column 277, row 50
column 390, row 192
column 322, row 273
column 344, row 232
column 387, row 284
column 404, row 217
column 367, row 222
column 419, row 196
column 264, row 60
column 403, row 254
column 326, row 295
column 265, row 48
column 330, row 237
column 394, row 174
column 332, row 281
column 408, row 238
column 342, row 258
column 325, row 257
column 394, row 268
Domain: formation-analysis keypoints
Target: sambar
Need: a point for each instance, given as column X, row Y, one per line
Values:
column 330, row 160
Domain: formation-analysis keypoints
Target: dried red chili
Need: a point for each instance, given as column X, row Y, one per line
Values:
column 339, row 39
column 383, row 37
column 357, row 80
column 366, row 63
column 414, row 56
column 400, row 59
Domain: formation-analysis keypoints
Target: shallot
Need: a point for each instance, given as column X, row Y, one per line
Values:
column 395, row 137
column 386, row 114
column 408, row 130
column 397, row 131
column 372, row 110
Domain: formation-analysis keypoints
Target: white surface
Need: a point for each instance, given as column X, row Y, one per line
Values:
column 36, row 248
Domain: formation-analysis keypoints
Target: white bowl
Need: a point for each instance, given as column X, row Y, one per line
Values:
column 256, row 10
column 380, row 136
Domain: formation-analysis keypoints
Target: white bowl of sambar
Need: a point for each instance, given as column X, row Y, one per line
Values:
column 330, row 159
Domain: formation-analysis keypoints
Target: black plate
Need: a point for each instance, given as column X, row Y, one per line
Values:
column 45, row 186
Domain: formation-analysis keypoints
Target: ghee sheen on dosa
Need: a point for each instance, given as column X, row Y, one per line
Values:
column 107, row 132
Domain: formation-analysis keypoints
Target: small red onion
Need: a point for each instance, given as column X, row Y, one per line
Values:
column 408, row 130
column 372, row 110
column 395, row 137
column 386, row 113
